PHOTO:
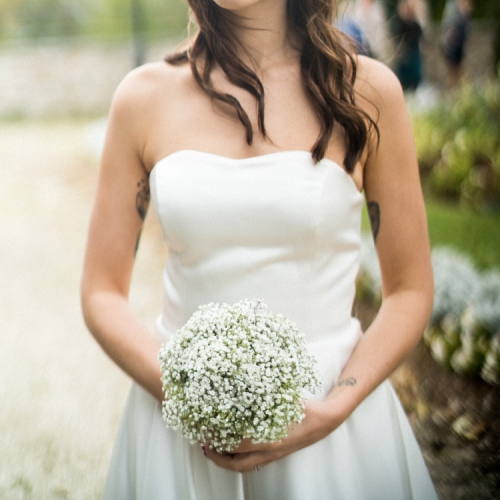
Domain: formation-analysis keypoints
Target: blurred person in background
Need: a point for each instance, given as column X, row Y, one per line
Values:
column 407, row 32
column 349, row 25
column 365, row 22
column 455, row 29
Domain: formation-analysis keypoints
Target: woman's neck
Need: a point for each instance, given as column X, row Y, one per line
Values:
column 264, row 37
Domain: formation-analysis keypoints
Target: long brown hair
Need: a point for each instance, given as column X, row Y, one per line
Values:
column 327, row 63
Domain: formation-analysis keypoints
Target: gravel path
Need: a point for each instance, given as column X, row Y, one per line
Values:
column 60, row 396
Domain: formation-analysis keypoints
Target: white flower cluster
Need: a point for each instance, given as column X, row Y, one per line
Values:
column 235, row 372
column 456, row 283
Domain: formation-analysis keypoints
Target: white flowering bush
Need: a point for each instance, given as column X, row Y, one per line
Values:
column 464, row 330
column 234, row 372
column 456, row 283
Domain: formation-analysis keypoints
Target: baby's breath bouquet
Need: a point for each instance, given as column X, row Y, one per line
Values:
column 235, row 372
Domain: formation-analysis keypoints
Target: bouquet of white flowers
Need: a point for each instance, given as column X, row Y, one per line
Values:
column 235, row 372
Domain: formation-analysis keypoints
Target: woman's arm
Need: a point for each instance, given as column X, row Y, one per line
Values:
column 399, row 227
column 119, row 209
column 397, row 213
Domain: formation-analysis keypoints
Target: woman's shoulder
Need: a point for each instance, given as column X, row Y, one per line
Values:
column 152, row 84
column 377, row 86
column 145, row 101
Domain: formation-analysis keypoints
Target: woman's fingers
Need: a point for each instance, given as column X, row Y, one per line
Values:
column 239, row 462
column 317, row 423
column 247, row 445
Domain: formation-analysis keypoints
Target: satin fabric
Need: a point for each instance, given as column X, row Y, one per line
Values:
column 279, row 228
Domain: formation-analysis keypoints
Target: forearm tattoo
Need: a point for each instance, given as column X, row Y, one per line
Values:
column 374, row 214
column 141, row 204
column 349, row 381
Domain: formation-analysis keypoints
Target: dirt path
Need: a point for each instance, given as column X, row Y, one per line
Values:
column 457, row 423
column 60, row 396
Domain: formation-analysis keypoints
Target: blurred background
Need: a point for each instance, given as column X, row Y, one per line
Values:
column 65, row 57
column 61, row 398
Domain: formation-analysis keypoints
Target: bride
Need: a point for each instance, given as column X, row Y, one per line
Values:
column 256, row 144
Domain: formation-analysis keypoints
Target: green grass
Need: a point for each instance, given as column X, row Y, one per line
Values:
column 474, row 233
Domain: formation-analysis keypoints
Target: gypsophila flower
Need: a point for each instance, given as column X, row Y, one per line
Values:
column 235, row 372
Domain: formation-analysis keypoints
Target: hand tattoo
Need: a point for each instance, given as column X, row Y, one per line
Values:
column 374, row 214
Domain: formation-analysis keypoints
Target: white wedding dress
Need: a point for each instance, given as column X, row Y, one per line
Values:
column 279, row 228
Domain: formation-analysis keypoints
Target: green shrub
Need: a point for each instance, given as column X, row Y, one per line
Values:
column 458, row 145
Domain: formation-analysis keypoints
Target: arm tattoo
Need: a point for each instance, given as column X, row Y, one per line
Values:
column 142, row 198
column 350, row 381
column 374, row 214
column 141, row 204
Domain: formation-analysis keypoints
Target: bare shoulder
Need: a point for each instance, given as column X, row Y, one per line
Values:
column 145, row 101
column 146, row 85
column 377, row 87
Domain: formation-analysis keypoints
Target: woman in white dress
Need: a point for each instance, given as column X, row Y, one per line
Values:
column 256, row 144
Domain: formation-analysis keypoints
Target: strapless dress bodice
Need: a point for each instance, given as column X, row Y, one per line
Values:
column 276, row 227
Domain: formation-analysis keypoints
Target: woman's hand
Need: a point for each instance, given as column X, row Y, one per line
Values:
column 321, row 418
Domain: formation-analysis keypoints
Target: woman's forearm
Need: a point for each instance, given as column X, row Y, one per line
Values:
column 396, row 330
column 124, row 338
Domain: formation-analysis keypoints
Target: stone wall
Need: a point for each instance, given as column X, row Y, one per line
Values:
column 51, row 80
